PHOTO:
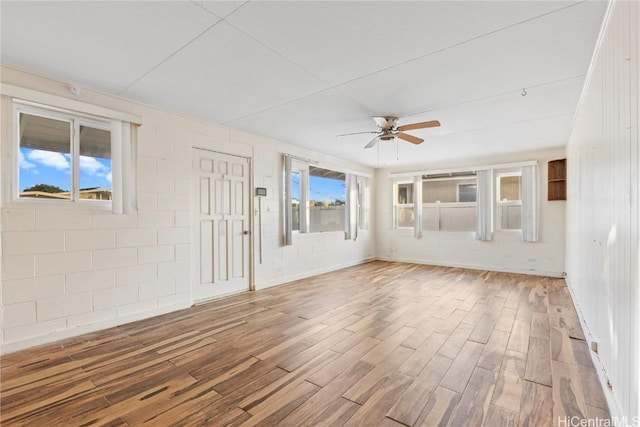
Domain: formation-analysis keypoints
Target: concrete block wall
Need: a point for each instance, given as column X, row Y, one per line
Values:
column 72, row 267
column 311, row 253
column 69, row 269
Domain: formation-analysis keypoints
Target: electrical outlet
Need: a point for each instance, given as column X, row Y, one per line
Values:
column 532, row 260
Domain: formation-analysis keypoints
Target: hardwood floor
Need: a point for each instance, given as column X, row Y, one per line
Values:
column 386, row 344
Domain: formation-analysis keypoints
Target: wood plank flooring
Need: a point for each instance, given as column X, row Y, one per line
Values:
column 385, row 344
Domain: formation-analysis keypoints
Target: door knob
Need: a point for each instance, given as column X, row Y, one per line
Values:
column 246, row 232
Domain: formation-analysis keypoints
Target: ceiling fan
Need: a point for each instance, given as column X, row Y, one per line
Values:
column 389, row 130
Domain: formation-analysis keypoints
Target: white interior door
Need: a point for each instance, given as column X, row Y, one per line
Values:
column 222, row 201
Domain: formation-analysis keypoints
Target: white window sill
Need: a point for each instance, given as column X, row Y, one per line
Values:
column 100, row 205
column 507, row 235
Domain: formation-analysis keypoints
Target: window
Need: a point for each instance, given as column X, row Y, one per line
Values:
column 449, row 202
column 403, row 205
column 318, row 200
column 363, row 197
column 468, row 192
column 509, row 201
column 483, row 200
column 45, row 157
column 94, row 163
column 295, row 201
column 62, row 156
column 327, row 200
column 68, row 151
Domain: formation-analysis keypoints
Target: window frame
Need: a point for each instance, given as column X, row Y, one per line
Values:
column 487, row 204
column 75, row 120
column 356, row 206
column 469, row 175
column 362, row 202
column 302, row 170
column 299, row 198
column 396, row 205
column 499, row 204
column 346, row 208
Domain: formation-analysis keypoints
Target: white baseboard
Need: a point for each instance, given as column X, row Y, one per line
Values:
column 615, row 410
column 85, row 329
column 529, row 272
column 298, row 276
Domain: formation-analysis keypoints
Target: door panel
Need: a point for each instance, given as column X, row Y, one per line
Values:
column 222, row 219
column 206, row 251
column 218, row 194
column 226, row 197
column 205, row 207
column 237, row 248
column 239, row 198
column 223, row 251
column 237, row 170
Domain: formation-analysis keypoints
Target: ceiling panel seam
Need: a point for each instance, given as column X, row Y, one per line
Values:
column 169, row 57
column 282, row 104
column 338, row 86
column 281, row 55
column 439, row 108
column 513, row 123
column 484, row 98
column 458, row 44
column 216, row 15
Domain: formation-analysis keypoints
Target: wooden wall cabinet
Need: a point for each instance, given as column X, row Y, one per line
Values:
column 557, row 180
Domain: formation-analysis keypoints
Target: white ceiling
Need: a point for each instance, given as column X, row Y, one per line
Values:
column 306, row 71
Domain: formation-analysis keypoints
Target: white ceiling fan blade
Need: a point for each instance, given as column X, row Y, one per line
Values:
column 371, row 143
column 354, row 133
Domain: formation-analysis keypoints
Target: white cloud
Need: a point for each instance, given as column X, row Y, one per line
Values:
column 91, row 166
column 49, row 158
column 62, row 161
column 24, row 164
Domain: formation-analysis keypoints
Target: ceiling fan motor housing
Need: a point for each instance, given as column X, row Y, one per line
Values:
column 386, row 122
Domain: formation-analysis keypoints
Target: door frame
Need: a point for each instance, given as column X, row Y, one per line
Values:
column 194, row 252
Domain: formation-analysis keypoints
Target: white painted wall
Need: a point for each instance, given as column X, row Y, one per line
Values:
column 67, row 270
column 506, row 252
column 602, row 211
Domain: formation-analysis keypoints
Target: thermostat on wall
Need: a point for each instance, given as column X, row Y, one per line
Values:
column 261, row 192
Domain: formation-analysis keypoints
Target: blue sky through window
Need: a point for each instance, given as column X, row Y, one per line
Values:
column 295, row 185
column 52, row 168
column 320, row 188
column 326, row 189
